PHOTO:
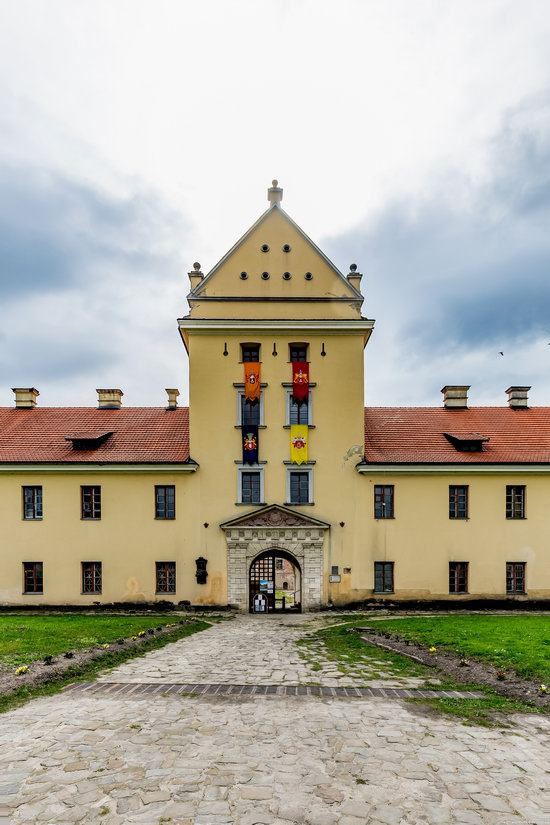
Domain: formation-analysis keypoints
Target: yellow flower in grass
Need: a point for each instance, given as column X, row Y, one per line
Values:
column 105, row 646
column 141, row 633
column 133, row 638
column 543, row 689
column 433, row 650
column 19, row 671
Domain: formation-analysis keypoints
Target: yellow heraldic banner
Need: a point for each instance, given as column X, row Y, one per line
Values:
column 298, row 443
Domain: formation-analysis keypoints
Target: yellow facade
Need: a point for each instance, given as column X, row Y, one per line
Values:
column 335, row 536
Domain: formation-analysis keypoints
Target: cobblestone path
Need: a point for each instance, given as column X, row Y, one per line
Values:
column 260, row 760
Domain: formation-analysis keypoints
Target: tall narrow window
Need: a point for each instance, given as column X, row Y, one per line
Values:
column 458, row 502
column 383, row 501
column 32, row 503
column 383, row 576
column 458, row 577
column 91, row 577
column 165, row 502
column 250, row 413
column 515, row 577
column 166, row 576
column 250, row 352
column 297, row 413
column 299, row 487
column 90, row 503
column 250, row 487
column 515, row 501
column 33, row 577
column 298, row 352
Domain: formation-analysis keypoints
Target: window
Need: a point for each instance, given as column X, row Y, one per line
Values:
column 515, row 577
column 32, row 503
column 297, row 413
column 33, row 577
column 383, row 500
column 250, row 413
column 250, row 352
column 383, row 576
column 458, row 577
column 90, row 502
column 278, row 564
column 91, row 577
column 250, row 487
column 165, row 502
column 515, row 502
column 458, row 502
column 166, row 576
column 298, row 352
column 299, row 487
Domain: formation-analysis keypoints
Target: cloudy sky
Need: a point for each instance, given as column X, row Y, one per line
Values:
column 138, row 136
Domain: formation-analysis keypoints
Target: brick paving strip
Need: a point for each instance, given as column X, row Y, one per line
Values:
column 146, row 689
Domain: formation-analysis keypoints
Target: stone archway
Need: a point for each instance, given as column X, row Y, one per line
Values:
column 258, row 532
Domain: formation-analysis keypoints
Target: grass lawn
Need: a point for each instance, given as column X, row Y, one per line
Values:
column 521, row 643
column 349, row 652
column 24, row 638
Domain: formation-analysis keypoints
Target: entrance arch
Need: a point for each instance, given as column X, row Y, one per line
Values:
column 275, row 583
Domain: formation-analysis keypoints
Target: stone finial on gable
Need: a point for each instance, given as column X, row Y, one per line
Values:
column 274, row 193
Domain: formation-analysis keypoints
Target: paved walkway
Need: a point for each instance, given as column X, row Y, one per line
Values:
column 260, row 760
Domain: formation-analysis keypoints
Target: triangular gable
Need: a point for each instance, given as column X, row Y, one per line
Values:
column 274, row 516
column 276, row 228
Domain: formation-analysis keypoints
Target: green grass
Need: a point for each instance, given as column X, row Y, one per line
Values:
column 111, row 659
column 24, row 638
column 521, row 643
column 349, row 652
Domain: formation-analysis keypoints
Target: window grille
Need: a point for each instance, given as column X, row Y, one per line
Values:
column 458, row 502
column 383, row 501
column 458, row 577
column 32, row 503
column 383, row 576
column 91, row 577
column 166, row 576
column 165, row 502
column 90, row 502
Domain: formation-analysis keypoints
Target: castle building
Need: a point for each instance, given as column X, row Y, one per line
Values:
column 276, row 489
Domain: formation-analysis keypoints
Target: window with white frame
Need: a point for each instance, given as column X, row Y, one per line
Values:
column 299, row 485
column 298, row 413
column 250, row 485
column 249, row 413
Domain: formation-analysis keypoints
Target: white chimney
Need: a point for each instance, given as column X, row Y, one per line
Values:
column 518, row 397
column 109, row 399
column 274, row 193
column 455, row 397
column 172, row 398
column 25, row 397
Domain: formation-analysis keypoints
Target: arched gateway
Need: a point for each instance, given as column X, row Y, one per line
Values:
column 275, row 583
column 270, row 533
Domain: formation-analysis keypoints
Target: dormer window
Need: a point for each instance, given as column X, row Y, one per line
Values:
column 467, row 442
column 88, row 441
column 250, row 353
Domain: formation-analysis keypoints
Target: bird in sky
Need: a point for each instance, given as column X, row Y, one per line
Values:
column 501, row 353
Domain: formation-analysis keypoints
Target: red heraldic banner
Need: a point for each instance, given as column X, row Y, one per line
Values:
column 252, row 381
column 300, row 381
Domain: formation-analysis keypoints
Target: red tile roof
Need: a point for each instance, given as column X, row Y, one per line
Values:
column 140, row 434
column 400, row 435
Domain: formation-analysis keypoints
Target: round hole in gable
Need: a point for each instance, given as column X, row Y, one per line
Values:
column 308, row 276
column 286, row 276
column 244, row 276
column 286, row 247
column 264, row 247
column 265, row 276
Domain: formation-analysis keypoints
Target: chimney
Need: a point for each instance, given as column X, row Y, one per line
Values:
column 196, row 276
column 354, row 277
column 109, row 399
column 517, row 397
column 455, row 397
column 172, row 399
column 25, row 397
column 274, row 193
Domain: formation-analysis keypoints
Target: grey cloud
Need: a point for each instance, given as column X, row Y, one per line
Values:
column 455, row 272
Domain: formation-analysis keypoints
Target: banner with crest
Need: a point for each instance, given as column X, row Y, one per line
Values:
column 300, row 381
column 299, row 443
column 252, row 381
column 249, row 433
